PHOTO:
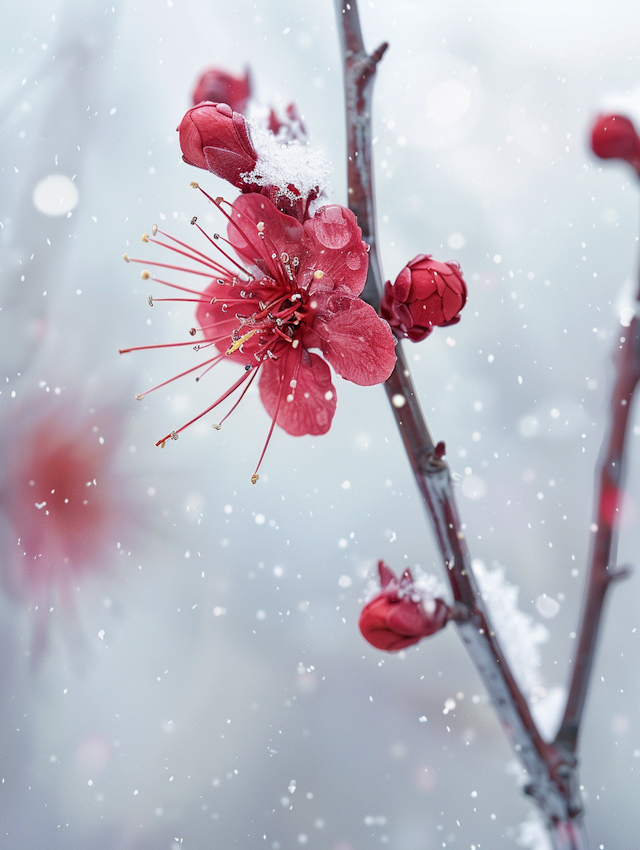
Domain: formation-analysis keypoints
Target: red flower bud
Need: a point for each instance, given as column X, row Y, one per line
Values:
column 214, row 137
column 615, row 137
column 399, row 615
column 425, row 293
column 217, row 86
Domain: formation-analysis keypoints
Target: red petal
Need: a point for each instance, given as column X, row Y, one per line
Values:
column 335, row 246
column 360, row 345
column 452, row 303
column 282, row 233
column 314, row 397
column 386, row 574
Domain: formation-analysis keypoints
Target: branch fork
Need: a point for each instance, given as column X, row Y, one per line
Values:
column 552, row 767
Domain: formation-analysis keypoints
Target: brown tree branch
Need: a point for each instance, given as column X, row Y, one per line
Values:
column 602, row 569
column 552, row 776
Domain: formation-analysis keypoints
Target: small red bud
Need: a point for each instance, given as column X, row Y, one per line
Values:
column 425, row 293
column 399, row 615
column 214, row 137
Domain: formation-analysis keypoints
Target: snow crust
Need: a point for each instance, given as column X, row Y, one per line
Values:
column 521, row 637
column 533, row 835
column 283, row 164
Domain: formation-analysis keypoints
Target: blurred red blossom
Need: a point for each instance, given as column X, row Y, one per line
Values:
column 426, row 293
column 217, row 86
column 401, row 615
column 615, row 137
column 295, row 288
column 62, row 504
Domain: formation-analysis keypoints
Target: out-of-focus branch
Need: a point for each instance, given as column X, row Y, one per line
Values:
column 551, row 770
column 608, row 498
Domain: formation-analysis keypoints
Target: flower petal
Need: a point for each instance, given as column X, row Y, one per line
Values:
column 311, row 409
column 335, row 246
column 356, row 341
column 283, row 234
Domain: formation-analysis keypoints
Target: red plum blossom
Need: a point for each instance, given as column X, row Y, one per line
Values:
column 294, row 288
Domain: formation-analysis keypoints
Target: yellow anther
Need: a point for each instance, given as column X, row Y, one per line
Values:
column 236, row 345
column 254, row 477
column 145, row 275
column 145, row 237
column 318, row 274
column 260, row 226
column 216, row 426
column 194, row 185
column 139, row 396
column 154, row 229
column 126, row 258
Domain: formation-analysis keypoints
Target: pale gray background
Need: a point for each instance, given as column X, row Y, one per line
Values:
column 209, row 718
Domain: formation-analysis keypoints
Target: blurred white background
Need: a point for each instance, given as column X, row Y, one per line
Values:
column 212, row 688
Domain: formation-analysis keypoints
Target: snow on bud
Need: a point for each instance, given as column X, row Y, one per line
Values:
column 214, row 137
column 216, row 86
column 615, row 137
column 401, row 614
column 425, row 293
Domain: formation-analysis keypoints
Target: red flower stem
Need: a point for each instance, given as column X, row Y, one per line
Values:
column 551, row 770
column 608, row 496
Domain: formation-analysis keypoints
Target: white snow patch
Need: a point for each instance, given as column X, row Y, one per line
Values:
column 533, row 835
column 521, row 636
column 289, row 163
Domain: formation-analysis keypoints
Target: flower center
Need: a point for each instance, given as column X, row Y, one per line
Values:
column 284, row 311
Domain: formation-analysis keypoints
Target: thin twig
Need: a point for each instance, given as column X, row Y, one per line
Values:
column 551, row 770
column 602, row 568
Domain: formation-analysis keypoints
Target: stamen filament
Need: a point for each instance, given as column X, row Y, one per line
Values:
column 224, row 253
column 192, row 254
column 226, row 394
column 213, row 361
column 242, row 395
column 207, row 259
column 255, row 475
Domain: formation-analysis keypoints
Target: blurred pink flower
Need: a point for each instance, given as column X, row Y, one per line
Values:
column 62, row 504
column 295, row 288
